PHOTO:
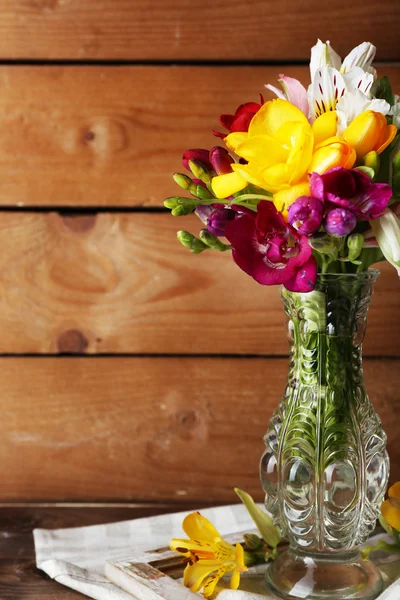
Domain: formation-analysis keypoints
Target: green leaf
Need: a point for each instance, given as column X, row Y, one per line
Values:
column 265, row 526
column 382, row 89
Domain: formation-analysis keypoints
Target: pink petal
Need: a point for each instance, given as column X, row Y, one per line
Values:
column 295, row 92
column 304, row 279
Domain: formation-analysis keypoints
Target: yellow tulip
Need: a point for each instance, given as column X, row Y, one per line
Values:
column 390, row 508
column 331, row 153
column 369, row 131
column 278, row 148
column 208, row 555
column 324, row 127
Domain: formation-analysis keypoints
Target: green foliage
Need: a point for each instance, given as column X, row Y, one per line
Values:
column 382, row 89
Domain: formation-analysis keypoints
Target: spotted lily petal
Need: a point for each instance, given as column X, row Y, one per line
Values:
column 357, row 79
column 325, row 91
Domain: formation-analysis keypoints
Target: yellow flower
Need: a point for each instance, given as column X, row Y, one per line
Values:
column 390, row 508
column 369, row 131
column 278, row 148
column 209, row 556
column 333, row 152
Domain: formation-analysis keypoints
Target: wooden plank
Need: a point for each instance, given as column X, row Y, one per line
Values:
column 113, row 136
column 146, row 428
column 123, row 29
column 121, row 283
column 18, row 576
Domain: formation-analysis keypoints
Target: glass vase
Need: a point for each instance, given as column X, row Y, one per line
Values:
column 325, row 467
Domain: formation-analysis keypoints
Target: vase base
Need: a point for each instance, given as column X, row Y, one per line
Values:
column 295, row 574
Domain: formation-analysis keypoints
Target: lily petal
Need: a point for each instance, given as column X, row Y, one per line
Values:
column 357, row 79
column 323, row 55
column 194, row 575
column 325, row 91
column 295, row 92
column 387, row 234
column 198, row 527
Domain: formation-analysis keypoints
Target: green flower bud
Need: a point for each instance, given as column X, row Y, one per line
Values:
column 199, row 171
column 372, row 161
column 396, row 162
column 323, row 243
column 200, row 191
column 253, row 541
column 367, row 170
column 190, row 241
column 182, row 180
column 212, row 241
column 180, row 206
column 355, row 244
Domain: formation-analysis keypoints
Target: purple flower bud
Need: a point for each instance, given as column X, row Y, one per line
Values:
column 218, row 220
column 340, row 221
column 221, row 160
column 202, row 156
column 305, row 214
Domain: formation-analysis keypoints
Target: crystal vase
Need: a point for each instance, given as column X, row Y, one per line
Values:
column 325, row 467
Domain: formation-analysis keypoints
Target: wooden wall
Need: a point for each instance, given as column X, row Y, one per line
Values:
column 130, row 369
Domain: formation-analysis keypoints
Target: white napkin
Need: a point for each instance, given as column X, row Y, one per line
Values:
column 76, row 556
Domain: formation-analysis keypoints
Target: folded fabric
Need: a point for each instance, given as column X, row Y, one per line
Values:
column 75, row 557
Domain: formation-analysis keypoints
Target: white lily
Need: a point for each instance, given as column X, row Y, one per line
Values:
column 387, row 233
column 348, row 83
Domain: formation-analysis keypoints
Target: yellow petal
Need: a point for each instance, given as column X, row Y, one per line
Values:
column 272, row 115
column 284, row 198
column 391, row 514
column 239, row 557
column 194, row 575
column 335, row 154
column 211, row 582
column 301, row 153
column 199, row 528
column 233, row 140
column 250, row 173
column 277, row 176
column 390, row 134
column 324, row 127
column 235, row 580
column 263, row 150
column 394, row 490
column 187, row 547
column 224, row 186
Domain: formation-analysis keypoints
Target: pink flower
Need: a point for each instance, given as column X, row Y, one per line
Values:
column 240, row 121
column 352, row 190
column 305, row 214
column 292, row 91
column 340, row 221
column 270, row 251
column 202, row 156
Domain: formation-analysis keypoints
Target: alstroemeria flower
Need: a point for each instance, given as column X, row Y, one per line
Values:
column 352, row 190
column 271, row 252
column 240, row 121
column 208, row 555
column 390, row 508
column 387, row 233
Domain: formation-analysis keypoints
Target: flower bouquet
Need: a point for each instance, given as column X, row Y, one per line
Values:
column 306, row 194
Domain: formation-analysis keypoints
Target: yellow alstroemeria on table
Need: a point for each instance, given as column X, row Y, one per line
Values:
column 390, row 521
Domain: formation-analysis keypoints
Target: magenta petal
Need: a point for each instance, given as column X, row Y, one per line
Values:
column 199, row 154
column 304, row 279
column 317, row 186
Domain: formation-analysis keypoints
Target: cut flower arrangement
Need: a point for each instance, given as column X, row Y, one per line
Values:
column 305, row 193
column 307, row 182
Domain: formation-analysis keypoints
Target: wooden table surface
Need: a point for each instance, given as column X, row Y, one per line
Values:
column 19, row 578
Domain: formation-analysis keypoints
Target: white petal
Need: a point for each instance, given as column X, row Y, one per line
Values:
column 395, row 112
column 325, row 91
column 361, row 56
column 276, row 91
column 322, row 55
column 387, row 233
column 357, row 79
column 380, row 106
column 350, row 105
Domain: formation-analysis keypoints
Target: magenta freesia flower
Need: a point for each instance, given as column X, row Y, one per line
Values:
column 352, row 190
column 270, row 251
column 340, row 221
column 305, row 214
column 221, row 160
column 199, row 154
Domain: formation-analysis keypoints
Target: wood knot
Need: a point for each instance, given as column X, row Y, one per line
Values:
column 79, row 223
column 72, row 341
column 187, row 419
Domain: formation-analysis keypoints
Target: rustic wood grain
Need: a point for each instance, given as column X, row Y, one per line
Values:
column 179, row 29
column 19, row 579
column 98, row 136
column 146, row 428
column 121, row 283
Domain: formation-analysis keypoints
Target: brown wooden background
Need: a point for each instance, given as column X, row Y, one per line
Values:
column 129, row 369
